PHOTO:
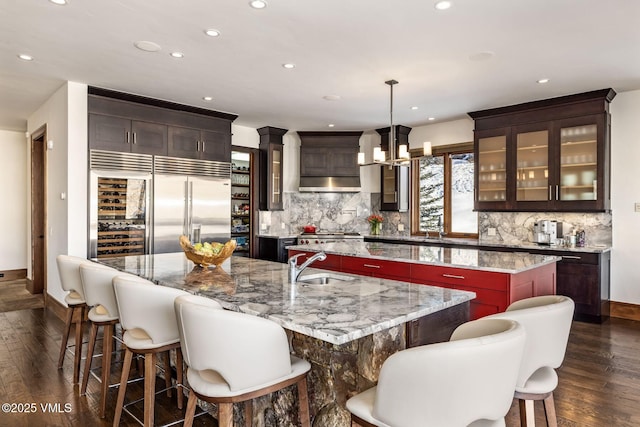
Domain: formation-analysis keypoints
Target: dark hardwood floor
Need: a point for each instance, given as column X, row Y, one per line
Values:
column 599, row 381
column 14, row 296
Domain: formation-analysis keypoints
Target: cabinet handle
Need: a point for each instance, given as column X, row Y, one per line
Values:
column 557, row 187
column 550, row 193
column 395, row 197
column 371, row 266
column 203, row 145
column 134, row 137
column 570, row 257
column 128, row 137
column 197, row 145
column 453, row 276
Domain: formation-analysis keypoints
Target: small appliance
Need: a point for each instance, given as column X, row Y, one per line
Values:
column 546, row 232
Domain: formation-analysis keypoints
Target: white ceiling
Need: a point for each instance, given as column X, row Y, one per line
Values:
column 340, row 47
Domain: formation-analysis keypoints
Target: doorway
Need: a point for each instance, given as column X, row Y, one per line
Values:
column 38, row 282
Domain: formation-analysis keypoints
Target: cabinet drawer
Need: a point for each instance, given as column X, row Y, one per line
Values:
column 377, row 268
column 459, row 276
column 333, row 262
column 578, row 257
column 486, row 302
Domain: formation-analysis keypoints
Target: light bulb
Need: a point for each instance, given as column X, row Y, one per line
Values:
column 361, row 158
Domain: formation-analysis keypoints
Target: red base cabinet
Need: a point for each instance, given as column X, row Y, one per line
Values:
column 494, row 291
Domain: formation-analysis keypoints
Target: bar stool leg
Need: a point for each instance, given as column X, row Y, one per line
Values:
column 303, row 403
column 179, row 378
column 78, row 353
column 126, row 367
column 65, row 337
column 107, row 348
column 167, row 371
column 225, row 414
column 191, row 409
column 88, row 360
column 550, row 411
column 149, row 387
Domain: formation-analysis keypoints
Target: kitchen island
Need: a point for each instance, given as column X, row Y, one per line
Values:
column 345, row 329
column 498, row 278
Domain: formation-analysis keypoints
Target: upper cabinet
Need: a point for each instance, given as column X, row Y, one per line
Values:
column 550, row 155
column 394, row 180
column 271, row 168
column 124, row 122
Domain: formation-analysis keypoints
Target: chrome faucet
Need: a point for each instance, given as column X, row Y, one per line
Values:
column 294, row 270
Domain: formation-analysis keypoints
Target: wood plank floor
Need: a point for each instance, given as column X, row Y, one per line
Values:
column 599, row 381
column 14, row 296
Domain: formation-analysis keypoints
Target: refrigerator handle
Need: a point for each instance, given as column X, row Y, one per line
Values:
column 190, row 230
column 185, row 222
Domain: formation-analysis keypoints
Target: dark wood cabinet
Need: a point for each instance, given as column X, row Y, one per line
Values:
column 394, row 180
column 199, row 144
column 272, row 248
column 119, row 134
column 550, row 155
column 271, row 168
column 131, row 123
column 329, row 160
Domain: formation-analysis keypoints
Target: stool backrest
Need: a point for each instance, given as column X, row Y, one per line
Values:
column 547, row 320
column 147, row 306
column 245, row 350
column 179, row 305
column 69, row 272
column 453, row 383
column 97, row 282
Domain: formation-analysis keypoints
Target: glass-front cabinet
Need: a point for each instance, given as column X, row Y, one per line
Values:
column 491, row 176
column 271, row 168
column 550, row 155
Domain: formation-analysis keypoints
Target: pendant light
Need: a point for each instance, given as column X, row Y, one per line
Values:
column 403, row 156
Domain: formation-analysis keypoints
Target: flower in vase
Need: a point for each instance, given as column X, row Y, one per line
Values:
column 375, row 219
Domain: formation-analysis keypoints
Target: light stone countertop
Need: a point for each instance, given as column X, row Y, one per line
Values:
column 476, row 242
column 336, row 313
column 474, row 259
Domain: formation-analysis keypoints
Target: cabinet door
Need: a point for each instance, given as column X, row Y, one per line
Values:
column 215, row 146
column 394, row 186
column 109, row 133
column 583, row 157
column 149, row 138
column 184, row 142
column 492, row 179
column 533, row 169
column 274, row 183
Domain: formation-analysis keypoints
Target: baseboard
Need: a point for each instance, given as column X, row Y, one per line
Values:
column 624, row 310
column 8, row 275
column 56, row 307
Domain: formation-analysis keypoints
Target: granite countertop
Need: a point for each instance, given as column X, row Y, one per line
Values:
column 473, row 259
column 476, row 242
column 336, row 313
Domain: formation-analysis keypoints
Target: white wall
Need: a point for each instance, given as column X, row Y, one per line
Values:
column 243, row 136
column 65, row 116
column 625, row 192
column 445, row 133
column 14, row 212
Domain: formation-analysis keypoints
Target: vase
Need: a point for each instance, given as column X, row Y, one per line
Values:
column 375, row 228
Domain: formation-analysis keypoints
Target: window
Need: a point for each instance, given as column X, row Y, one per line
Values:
column 443, row 191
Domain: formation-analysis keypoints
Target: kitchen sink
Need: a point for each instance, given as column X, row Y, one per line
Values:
column 323, row 278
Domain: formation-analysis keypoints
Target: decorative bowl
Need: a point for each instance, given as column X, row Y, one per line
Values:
column 206, row 260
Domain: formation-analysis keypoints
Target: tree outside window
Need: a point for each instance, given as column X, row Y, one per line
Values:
column 443, row 193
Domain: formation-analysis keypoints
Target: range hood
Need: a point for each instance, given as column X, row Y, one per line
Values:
column 330, row 184
column 329, row 162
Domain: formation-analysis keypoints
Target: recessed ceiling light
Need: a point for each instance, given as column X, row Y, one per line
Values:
column 289, row 66
column 481, row 56
column 147, row 46
column 25, row 57
column 177, row 54
column 443, row 5
column 211, row 32
column 59, row 2
column 414, row 108
column 331, row 125
column 543, row 81
column 258, row 4
column 431, row 118
column 207, row 98
column 331, row 97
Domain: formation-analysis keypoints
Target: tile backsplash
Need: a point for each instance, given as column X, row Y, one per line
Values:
column 348, row 212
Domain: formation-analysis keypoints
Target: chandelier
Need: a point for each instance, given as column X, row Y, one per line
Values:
column 403, row 156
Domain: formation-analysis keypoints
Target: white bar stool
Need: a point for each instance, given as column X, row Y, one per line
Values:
column 235, row 357
column 547, row 320
column 149, row 320
column 467, row 381
column 69, row 271
column 100, row 296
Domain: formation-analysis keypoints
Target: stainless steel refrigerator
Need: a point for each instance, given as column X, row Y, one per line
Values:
column 190, row 197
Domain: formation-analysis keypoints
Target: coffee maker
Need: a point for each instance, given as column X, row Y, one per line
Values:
column 546, row 232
